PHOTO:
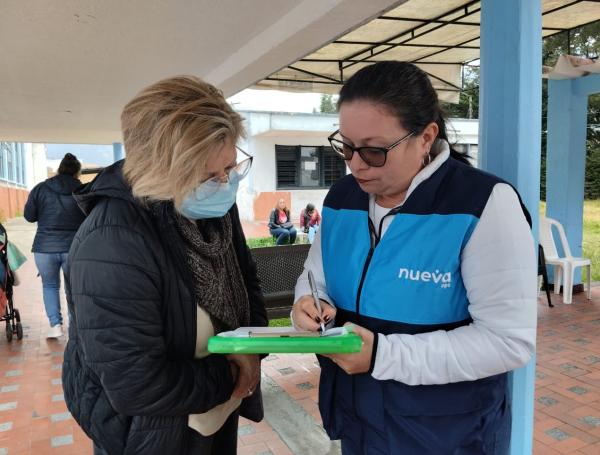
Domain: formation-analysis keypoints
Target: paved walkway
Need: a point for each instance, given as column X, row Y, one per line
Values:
column 34, row 419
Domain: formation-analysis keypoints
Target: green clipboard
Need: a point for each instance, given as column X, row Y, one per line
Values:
column 283, row 342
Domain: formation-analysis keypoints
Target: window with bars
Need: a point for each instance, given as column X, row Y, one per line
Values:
column 307, row 167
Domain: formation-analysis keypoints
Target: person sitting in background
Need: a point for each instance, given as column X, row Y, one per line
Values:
column 310, row 219
column 52, row 206
column 280, row 224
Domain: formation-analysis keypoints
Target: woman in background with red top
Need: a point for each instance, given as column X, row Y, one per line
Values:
column 310, row 220
column 280, row 224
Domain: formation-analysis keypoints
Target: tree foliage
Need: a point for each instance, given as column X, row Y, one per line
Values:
column 592, row 163
column 468, row 102
column 583, row 41
column 327, row 104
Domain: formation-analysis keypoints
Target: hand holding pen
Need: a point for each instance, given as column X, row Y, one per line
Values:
column 306, row 315
column 315, row 296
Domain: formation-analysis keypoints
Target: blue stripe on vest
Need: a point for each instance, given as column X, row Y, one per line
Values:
column 345, row 243
column 414, row 275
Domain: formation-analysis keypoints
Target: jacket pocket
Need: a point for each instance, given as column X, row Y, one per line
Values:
column 157, row 435
column 458, row 418
column 431, row 400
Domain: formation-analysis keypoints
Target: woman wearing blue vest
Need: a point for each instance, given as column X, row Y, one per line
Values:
column 433, row 263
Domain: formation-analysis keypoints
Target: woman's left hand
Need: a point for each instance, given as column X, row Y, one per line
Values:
column 358, row 362
column 248, row 374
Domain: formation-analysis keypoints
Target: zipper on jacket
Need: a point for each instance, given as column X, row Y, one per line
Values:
column 374, row 241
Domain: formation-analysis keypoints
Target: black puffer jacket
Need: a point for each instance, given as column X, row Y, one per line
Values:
column 51, row 204
column 129, row 377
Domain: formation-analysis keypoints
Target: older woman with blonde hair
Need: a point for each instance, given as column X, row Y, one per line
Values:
column 159, row 265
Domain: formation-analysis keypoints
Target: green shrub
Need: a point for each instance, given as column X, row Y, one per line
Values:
column 260, row 242
column 283, row 322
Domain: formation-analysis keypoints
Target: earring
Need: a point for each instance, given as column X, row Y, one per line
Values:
column 428, row 157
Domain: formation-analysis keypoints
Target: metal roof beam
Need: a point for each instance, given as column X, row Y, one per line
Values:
column 412, row 31
column 427, row 21
column 430, row 21
column 373, row 43
column 566, row 5
column 335, row 60
column 456, row 46
column 284, row 79
column 338, row 81
column 370, row 51
column 444, row 81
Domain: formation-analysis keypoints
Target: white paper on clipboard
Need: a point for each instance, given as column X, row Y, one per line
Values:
column 244, row 332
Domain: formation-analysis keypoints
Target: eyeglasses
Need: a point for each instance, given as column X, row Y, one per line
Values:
column 372, row 156
column 233, row 176
column 236, row 173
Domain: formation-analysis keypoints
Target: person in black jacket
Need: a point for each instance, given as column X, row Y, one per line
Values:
column 52, row 206
column 159, row 265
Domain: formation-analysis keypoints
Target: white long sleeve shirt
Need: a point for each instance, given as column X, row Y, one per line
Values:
column 499, row 269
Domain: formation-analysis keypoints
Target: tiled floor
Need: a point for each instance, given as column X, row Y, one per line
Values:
column 34, row 419
column 33, row 416
column 567, row 398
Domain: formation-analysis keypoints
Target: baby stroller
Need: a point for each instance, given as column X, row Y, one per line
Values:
column 9, row 313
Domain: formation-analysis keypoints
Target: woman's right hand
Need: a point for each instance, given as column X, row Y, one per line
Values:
column 306, row 315
column 247, row 373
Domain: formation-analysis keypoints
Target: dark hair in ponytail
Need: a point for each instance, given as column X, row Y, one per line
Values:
column 69, row 165
column 406, row 91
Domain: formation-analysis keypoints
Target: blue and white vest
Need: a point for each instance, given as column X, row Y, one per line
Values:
column 408, row 282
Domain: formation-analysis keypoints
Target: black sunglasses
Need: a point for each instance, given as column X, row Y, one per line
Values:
column 373, row 156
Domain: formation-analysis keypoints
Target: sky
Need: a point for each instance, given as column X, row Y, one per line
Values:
column 246, row 100
column 100, row 155
column 275, row 100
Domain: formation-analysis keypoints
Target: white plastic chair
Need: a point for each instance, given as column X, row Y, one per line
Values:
column 564, row 267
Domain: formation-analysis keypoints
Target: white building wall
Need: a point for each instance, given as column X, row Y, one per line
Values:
column 465, row 131
column 36, row 168
column 246, row 194
column 263, row 177
column 265, row 130
column 34, row 164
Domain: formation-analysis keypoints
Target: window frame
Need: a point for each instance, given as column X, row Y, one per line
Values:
column 322, row 155
column 13, row 173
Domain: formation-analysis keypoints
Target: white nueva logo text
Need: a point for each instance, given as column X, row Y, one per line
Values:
column 444, row 279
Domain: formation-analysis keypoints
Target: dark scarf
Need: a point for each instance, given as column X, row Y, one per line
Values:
column 215, row 277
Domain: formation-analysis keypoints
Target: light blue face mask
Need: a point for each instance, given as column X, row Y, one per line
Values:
column 212, row 199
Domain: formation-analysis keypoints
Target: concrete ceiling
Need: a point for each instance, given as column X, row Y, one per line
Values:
column 69, row 66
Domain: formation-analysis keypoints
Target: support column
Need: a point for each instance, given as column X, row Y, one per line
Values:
column 565, row 158
column 510, row 109
column 118, row 153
